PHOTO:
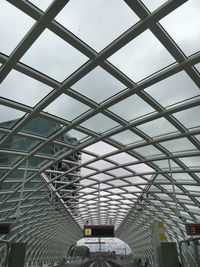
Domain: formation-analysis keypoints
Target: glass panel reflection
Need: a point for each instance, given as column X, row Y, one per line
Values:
column 78, row 135
column 19, row 143
column 7, row 159
column 41, row 126
column 1, row 134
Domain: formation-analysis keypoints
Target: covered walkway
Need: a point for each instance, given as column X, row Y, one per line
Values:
column 99, row 124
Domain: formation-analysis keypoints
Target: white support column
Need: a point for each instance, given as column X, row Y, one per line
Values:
column 157, row 237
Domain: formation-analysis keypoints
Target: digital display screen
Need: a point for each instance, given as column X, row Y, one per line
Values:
column 99, row 231
column 4, row 228
column 193, row 228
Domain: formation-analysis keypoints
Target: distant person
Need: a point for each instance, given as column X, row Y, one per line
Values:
column 139, row 262
column 146, row 264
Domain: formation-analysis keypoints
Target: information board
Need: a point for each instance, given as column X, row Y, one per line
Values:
column 4, row 228
column 98, row 231
column 193, row 228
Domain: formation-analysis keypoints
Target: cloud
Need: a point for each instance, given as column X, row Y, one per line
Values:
column 141, row 57
column 174, row 89
column 97, row 22
column 14, row 25
column 7, row 114
column 183, row 26
column 23, row 89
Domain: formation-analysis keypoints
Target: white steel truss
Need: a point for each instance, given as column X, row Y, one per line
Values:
column 100, row 127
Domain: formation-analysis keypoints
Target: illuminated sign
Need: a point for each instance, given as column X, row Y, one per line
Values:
column 192, row 228
column 4, row 228
column 87, row 232
column 99, row 231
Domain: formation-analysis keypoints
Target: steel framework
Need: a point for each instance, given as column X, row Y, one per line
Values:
column 122, row 78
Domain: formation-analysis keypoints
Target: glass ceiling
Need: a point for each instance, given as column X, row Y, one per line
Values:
column 99, row 117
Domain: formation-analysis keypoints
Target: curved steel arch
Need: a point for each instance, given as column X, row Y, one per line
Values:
column 82, row 173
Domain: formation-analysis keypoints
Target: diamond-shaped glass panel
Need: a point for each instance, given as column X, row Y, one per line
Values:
column 98, row 85
column 183, row 26
column 190, row 117
column 148, row 151
column 15, row 24
column 157, row 127
column 131, row 108
column 101, row 164
column 66, row 107
column 191, row 162
column 9, row 116
column 23, row 89
column 177, row 145
column 144, row 60
column 174, row 89
column 51, row 61
column 126, row 137
column 95, row 22
column 99, row 123
column 122, row 158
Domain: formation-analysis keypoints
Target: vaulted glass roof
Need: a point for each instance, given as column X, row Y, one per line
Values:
column 99, row 118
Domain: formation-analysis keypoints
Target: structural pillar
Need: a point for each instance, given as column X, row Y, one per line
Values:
column 17, row 255
column 157, row 237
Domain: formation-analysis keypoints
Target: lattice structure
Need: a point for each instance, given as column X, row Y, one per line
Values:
column 121, row 79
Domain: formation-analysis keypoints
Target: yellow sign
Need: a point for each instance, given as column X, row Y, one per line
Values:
column 161, row 224
column 162, row 236
column 88, row 231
